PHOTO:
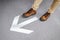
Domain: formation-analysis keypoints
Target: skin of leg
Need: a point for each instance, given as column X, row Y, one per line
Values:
column 54, row 5
column 36, row 4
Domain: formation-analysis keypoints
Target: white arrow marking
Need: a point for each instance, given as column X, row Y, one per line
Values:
column 17, row 27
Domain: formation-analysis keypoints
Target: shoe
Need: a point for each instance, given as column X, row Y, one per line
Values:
column 29, row 13
column 45, row 16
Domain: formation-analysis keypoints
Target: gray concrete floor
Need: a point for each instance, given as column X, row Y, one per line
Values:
column 48, row 30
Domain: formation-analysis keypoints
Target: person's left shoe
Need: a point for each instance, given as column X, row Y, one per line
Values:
column 29, row 13
column 45, row 16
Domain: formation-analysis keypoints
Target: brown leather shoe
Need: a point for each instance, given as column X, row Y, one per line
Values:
column 29, row 13
column 45, row 16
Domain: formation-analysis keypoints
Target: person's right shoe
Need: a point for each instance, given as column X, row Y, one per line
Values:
column 29, row 13
column 45, row 16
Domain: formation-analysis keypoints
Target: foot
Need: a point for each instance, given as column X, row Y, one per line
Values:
column 45, row 16
column 29, row 13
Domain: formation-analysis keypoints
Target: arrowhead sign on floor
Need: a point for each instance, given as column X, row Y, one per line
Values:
column 17, row 27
